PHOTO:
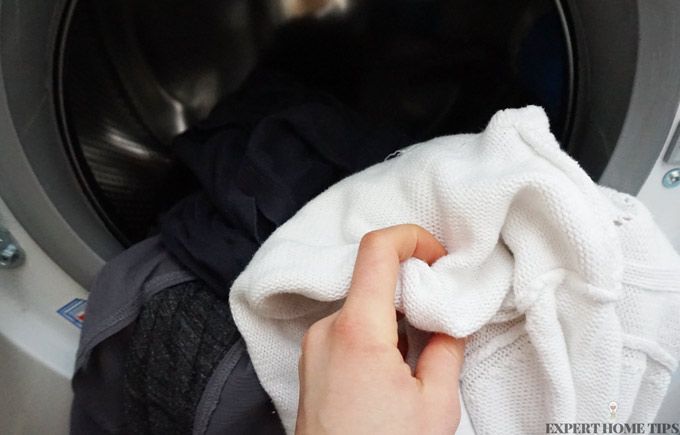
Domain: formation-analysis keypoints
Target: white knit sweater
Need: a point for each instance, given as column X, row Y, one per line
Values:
column 568, row 292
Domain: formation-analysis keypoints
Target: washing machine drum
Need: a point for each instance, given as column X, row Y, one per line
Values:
column 135, row 74
column 96, row 90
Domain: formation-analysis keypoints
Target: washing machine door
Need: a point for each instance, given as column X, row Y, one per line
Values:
column 93, row 91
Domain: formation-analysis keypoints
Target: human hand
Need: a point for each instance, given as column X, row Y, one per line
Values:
column 353, row 378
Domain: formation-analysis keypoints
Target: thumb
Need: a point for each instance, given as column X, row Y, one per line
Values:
column 439, row 368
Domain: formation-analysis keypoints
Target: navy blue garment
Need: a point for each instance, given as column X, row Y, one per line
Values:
column 260, row 156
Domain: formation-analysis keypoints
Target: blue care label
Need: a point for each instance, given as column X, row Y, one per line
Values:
column 74, row 311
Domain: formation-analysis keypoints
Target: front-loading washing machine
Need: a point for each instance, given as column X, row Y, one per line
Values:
column 92, row 92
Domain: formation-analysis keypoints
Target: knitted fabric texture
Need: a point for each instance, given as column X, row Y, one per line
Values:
column 180, row 337
column 567, row 291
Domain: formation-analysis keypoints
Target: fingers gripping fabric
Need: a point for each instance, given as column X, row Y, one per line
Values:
column 567, row 291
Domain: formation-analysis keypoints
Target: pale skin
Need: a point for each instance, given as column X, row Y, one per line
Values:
column 353, row 378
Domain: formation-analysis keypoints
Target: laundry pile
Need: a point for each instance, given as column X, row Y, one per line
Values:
column 159, row 352
column 567, row 291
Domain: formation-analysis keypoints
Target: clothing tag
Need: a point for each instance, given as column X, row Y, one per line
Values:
column 74, row 312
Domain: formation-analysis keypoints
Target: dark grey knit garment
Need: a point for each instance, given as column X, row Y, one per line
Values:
column 181, row 335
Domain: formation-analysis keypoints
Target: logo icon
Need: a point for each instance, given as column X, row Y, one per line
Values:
column 613, row 406
column 74, row 312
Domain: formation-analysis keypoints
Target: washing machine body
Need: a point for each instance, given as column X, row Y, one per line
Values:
column 83, row 142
